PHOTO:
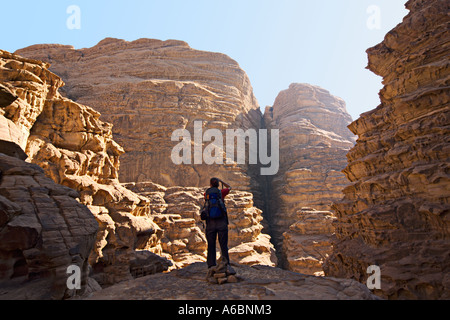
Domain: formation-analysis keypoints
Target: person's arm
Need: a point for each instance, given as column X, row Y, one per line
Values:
column 226, row 185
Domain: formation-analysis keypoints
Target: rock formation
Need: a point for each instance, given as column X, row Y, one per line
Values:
column 148, row 89
column 254, row 283
column 314, row 140
column 44, row 230
column 177, row 211
column 307, row 243
column 395, row 213
column 77, row 150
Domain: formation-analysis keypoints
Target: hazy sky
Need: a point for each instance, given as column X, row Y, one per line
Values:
column 277, row 42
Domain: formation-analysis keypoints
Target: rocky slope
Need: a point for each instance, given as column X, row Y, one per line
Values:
column 395, row 213
column 148, row 89
column 43, row 231
column 255, row 283
column 314, row 140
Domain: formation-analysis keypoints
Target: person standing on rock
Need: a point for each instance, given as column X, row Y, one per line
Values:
column 215, row 214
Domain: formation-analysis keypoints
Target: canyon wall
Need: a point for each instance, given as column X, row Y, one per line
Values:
column 148, row 89
column 139, row 233
column 314, row 140
column 77, row 150
column 44, row 230
column 395, row 213
column 308, row 242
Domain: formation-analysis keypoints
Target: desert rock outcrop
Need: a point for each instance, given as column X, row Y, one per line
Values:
column 308, row 242
column 138, row 222
column 77, row 150
column 395, row 213
column 314, row 140
column 44, row 230
column 148, row 89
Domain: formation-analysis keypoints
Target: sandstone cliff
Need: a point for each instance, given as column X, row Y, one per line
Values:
column 308, row 242
column 77, row 150
column 314, row 140
column 148, row 89
column 140, row 232
column 395, row 213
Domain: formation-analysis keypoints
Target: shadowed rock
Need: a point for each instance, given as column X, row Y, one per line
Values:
column 43, row 231
column 255, row 283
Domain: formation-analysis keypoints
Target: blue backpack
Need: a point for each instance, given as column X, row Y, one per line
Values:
column 214, row 207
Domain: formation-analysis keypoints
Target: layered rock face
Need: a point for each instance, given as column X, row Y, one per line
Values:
column 44, row 231
column 308, row 242
column 25, row 86
column 177, row 211
column 77, row 150
column 148, row 89
column 144, row 228
column 395, row 214
column 314, row 140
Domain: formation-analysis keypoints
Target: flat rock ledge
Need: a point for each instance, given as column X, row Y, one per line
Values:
column 255, row 283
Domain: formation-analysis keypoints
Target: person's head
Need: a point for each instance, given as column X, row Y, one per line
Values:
column 214, row 183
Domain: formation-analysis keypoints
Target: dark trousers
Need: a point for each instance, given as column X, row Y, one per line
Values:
column 214, row 228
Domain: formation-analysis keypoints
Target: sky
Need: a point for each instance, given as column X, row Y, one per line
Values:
column 276, row 42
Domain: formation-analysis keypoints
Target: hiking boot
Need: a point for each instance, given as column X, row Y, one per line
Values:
column 211, row 271
column 230, row 270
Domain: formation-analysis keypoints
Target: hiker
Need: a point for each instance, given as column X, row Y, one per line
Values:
column 215, row 215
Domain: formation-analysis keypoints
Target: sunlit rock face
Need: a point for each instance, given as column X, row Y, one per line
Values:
column 395, row 213
column 77, row 150
column 314, row 140
column 148, row 89
column 177, row 211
